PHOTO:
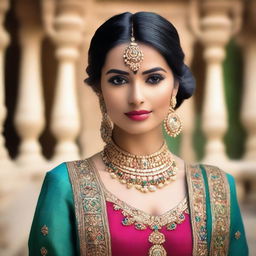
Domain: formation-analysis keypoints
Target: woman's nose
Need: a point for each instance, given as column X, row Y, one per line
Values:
column 136, row 96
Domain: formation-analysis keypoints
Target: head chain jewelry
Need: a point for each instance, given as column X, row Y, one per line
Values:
column 133, row 56
column 172, row 123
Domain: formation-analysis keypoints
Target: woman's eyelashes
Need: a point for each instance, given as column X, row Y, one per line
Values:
column 117, row 80
column 151, row 79
column 154, row 79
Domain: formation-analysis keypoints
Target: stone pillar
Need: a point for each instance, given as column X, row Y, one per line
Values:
column 67, row 33
column 7, row 175
column 247, row 40
column 4, row 41
column 248, row 113
column 214, row 29
column 29, row 118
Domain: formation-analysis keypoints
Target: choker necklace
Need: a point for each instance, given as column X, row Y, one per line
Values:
column 145, row 173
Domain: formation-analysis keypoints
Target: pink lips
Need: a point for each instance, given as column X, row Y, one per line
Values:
column 139, row 115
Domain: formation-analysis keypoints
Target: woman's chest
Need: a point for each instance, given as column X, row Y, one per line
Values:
column 154, row 203
column 139, row 234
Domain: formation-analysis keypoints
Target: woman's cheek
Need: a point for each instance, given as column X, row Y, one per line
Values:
column 115, row 109
column 163, row 102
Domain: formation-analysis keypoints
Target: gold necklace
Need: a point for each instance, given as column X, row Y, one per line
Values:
column 145, row 173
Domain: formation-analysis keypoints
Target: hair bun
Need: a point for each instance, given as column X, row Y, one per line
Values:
column 187, row 85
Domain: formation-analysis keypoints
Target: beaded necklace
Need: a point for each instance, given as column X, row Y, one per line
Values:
column 145, row 173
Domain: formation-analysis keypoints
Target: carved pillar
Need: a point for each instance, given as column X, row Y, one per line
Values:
column 66, row 30
column 4, row 41
column 7, row 174
column 248, row 113
column 214, row 29
column 29, row 118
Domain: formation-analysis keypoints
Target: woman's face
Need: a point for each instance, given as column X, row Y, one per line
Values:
column 137, row 103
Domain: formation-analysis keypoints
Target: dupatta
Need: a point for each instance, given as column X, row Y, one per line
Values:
column 209, row 203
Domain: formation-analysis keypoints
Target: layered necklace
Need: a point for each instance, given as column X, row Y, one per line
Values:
column 145, row 173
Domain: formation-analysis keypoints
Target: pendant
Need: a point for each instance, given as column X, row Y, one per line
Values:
column 133, row 56
column 157, row 250
column 157, row 238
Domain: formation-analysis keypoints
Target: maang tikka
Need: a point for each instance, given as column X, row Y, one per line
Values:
column 133, row 56
column 172, row 123
column 106, row 125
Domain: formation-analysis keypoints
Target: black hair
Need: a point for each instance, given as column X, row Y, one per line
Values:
column 148, row 28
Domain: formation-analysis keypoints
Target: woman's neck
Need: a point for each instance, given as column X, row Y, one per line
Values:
column 139, row 144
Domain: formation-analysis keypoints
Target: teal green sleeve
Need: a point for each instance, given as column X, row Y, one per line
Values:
column 238, row 247
column 55, row 210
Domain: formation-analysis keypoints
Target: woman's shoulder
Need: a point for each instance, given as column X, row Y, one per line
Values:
column 211, row 170
column 214, row 179
column 58, row 173
column 212, row 174
column 61, row 172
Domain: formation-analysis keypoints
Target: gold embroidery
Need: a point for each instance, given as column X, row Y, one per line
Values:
column 43, row 251
column 91, row 215
column 44, row 230
column 237, row 235
column 157, row 250
column 90, row 208
column 141, row 220
column 197, row 204
column 134, row 215
column 220, row 208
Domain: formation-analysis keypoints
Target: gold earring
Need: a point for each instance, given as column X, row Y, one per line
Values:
column 106, row 126
column 172, row 123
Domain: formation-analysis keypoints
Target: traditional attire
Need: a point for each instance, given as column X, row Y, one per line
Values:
column 77, row 215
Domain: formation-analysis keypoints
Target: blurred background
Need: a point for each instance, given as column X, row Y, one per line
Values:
column 48, row 115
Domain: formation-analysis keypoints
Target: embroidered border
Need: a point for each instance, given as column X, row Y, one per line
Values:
column 90, row 208
column 220, row 207
column 197, row 203
column 173, row 216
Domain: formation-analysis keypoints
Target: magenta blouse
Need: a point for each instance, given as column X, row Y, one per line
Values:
column 127, row 241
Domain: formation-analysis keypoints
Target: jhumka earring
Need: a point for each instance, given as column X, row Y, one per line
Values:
column 133, row 56
column 106, row 126
column 172, row 123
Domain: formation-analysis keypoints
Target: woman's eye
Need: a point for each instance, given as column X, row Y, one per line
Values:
column 117, row 80
column 154, row 79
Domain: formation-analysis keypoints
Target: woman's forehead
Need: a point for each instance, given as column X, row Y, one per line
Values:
column 152, row 59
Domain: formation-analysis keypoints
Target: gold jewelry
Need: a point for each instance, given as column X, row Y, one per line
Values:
column 145, row 173
column 133, row 56
column 106, row 126
column 142, row 220
column 172, row 123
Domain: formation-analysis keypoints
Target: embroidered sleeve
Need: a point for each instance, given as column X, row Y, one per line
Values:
column 238, row 243
column 53, row 230
column 227, row 231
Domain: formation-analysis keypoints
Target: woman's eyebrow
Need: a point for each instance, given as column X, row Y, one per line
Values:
column 121, row 72
column 117, row 71
column 153, row 70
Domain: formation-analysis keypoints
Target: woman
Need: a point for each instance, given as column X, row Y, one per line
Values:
column 136, row 197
